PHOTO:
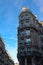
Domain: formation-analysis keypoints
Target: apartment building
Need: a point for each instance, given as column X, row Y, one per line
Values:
column 30, row 39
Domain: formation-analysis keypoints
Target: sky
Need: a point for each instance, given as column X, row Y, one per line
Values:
column 9, row 21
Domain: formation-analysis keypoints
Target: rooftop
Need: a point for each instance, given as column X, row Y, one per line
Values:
column 25, row 9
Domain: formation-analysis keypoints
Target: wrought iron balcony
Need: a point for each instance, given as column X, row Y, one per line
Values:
column 29, row 26
column 25, row 52
column 29, row 53
column 36, row 53
column 24, row 18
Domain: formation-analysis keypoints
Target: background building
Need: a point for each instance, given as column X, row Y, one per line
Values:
column 5, row 58
column 30, row 39
column 41, row 23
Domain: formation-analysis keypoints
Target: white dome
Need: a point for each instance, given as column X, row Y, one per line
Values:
column 25, row 9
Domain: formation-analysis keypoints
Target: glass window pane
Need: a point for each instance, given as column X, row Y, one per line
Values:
column 28, row 41
column 22, row 41
column 25, row 17
column 28, row 32
column 29, row 49
column 22, row 50
column 22, row 33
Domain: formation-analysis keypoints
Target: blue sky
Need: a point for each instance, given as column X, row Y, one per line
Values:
column 9, row 12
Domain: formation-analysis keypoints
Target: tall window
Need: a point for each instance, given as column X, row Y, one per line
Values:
column 28, row 41
column 28, row 49
column 27, row 24
column 21, row 24
column 22, row 50
column 24, row 23
column 22, row 33
column 42, row 38
column 27, row 32
column 22, row 41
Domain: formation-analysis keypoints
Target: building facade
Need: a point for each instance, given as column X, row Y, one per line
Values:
column 30, row 39
column 5, row 59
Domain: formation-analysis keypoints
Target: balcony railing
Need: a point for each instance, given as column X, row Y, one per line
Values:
column 24, row 18
column 29, row 25
column 28, row 53
column 24, row 25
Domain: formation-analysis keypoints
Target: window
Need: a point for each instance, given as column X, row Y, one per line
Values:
column 0, row 49
column 22, row 41
column 28, row 41
column 24, row 23
column 42, row 38
column 22, row 33
column 22, row 50
column 29, row 49
column 21, row 25
column 25, row 17
column 27, row 23
column 27, row 32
